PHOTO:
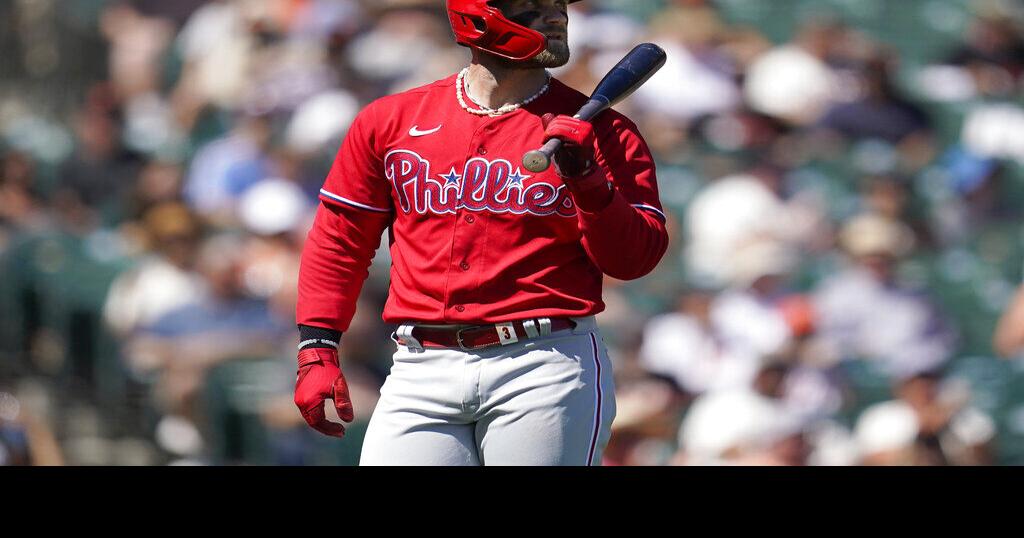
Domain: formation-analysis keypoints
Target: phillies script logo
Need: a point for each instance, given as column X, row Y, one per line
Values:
column 482, row 185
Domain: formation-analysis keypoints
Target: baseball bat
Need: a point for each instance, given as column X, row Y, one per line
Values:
column 632, row 71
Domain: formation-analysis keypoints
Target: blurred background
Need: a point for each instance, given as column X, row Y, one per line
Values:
column 843, row 179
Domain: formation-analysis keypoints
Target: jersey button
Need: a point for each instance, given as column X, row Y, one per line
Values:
column 482, row 150
column 470, row 219
column 460, row 308
column 464, row 266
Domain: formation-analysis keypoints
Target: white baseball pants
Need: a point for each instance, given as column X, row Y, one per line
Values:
column 549, row 400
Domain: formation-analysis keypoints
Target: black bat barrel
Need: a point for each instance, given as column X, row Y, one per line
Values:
column 630, row 73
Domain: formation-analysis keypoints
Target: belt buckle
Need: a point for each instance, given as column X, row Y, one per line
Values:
column 458, row 338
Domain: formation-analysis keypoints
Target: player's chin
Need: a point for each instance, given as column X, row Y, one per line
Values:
column 555, row 55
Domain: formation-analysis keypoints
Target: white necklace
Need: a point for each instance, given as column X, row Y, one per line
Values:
column 484, row 111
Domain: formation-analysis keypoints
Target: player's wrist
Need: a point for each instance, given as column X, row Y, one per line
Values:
column 593, row 192
column 318, row 338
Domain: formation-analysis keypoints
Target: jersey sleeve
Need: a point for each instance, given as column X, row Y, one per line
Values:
column 627, row 237
column 630, row 166
column 355, row 210
column 356, row 178
column 335, row 263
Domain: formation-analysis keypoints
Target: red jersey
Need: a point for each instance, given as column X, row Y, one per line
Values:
column 475, row 237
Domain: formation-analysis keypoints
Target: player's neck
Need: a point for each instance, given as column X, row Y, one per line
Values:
column 492, row 84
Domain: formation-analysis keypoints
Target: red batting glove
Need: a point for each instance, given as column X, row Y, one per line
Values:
column 319, row 379
column 575, row 159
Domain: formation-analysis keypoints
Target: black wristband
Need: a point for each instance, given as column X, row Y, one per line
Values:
column 312, row 337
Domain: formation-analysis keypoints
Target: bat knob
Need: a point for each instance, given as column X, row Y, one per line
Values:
column 536, row 161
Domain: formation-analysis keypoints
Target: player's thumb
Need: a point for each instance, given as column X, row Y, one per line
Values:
column 342, row 399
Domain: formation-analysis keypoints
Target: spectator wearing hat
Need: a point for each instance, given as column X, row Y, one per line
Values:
column 866, row 312
column 162, row 280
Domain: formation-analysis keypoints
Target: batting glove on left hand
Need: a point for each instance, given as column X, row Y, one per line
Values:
column 320, row 378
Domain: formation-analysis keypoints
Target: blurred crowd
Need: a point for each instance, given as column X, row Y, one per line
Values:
column 844, row 183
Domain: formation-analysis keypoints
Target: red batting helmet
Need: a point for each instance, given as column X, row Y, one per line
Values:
column 480, row 25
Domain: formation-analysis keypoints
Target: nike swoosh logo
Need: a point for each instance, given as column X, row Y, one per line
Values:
column 415, row 131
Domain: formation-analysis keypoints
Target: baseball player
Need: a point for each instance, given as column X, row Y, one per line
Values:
column 496, row 273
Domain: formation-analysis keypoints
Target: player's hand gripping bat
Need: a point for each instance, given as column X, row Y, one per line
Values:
column 629, row 74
